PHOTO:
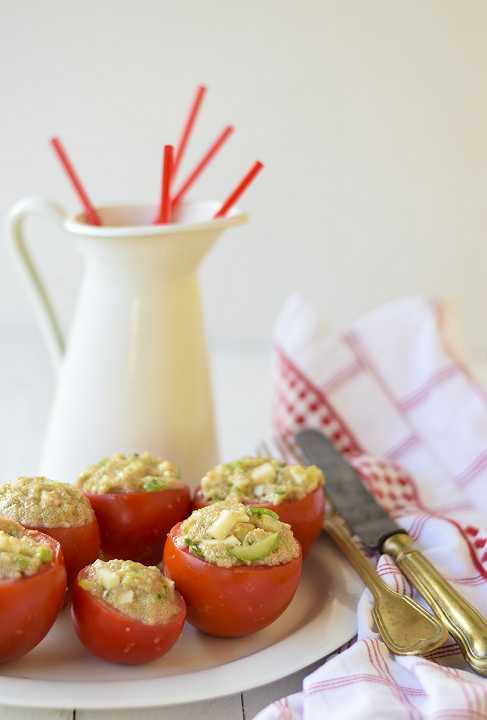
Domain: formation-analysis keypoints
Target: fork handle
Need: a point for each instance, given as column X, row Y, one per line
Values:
column 405, row 627
column 463, row 621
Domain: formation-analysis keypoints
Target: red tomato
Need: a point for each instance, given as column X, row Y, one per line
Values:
column 113, row 636
column 230, row 602
column 134, row 525
column 305, row 516
column 29, row 606
column 80, row 544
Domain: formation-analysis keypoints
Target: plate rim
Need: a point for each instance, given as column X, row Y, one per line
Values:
column 69, row 695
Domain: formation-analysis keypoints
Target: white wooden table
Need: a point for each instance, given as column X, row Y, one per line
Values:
column 242, row 388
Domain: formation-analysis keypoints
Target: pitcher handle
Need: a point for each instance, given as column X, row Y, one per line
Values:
column 39, row 296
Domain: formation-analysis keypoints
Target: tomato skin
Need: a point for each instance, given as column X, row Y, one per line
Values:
column 305, row 516
column 30, row 605
column 112, row 636
column 230, row 602
column 134, row 525
column 80, row 544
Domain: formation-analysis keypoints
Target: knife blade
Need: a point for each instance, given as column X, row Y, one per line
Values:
column 346, row 490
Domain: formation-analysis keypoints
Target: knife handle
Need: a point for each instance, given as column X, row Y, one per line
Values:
column 463, row 621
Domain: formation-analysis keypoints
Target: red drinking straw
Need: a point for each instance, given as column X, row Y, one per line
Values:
column 241, row 187
column 90, row 211
column 194, row 175
column 188, row 127
column 164, row 214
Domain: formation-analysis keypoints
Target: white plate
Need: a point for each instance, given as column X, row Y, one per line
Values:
column 59, row 673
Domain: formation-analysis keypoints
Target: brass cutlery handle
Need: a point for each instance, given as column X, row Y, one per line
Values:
column 463, row 621
column 405, row 627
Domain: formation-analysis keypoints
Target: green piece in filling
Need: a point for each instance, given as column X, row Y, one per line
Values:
column 44, row 554
column 154, row 485
column 263, row 511
column 193, row 546
column 256, row 551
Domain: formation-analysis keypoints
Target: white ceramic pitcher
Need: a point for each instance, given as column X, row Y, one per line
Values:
column 134, row 373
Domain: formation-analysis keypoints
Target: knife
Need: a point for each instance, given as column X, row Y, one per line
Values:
column 378, row 531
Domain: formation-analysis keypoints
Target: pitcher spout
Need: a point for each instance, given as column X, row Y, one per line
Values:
column 177, row 247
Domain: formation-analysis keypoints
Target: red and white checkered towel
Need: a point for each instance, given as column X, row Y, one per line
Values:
column 393, row 387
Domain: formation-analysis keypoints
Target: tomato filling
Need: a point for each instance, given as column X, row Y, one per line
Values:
column 129, row 473
column 40, row 502
column 262, row 479
column 141, row 592
column 21, row 555
column 229, row 533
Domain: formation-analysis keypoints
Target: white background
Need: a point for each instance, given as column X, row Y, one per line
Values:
column 371, row 117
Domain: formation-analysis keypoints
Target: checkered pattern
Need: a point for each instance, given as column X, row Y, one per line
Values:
column 478, row 542
column 392, row 486
column 298, row 404
column 393, row 387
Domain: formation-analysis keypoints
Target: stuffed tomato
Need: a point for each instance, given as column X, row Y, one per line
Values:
column 236, row 566
column 126, row 612
column 137, row 499
column 32, row 588
column 56, row 509
column 294, row 492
